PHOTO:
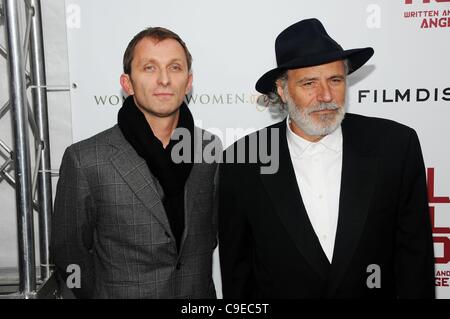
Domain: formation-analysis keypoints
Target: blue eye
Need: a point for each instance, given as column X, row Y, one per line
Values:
column 175, row 67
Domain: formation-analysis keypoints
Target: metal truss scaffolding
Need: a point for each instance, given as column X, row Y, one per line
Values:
column 32, row 188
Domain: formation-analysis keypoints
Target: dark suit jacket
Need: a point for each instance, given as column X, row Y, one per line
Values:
column 110, row 221
column 267, row 245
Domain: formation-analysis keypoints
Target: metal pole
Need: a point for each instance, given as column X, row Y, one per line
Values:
column 19, row 117
column 39, row 94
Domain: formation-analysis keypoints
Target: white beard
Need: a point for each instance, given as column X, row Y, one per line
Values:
column 320, row 125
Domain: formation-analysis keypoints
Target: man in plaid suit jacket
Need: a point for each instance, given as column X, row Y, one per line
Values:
column 136, row 221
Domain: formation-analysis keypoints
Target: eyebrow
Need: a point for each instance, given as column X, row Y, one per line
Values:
column 308, row 79
column 151, row 60
column 340, row 76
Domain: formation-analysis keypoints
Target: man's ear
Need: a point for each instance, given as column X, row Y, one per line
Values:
column 125, row 83
column 280, row 90
column 189, row 84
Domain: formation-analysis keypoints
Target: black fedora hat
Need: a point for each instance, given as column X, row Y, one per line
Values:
column 307, row 43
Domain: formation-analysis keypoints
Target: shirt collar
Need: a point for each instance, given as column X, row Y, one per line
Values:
column 331, row 141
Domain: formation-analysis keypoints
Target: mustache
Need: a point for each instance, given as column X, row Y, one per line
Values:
column 323, row 107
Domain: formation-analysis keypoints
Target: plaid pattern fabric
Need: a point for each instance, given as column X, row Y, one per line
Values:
column 109, row 220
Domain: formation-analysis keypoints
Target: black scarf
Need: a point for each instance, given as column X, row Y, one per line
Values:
column 170, row 175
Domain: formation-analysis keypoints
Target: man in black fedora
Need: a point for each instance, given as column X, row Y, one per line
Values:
column 346, row 213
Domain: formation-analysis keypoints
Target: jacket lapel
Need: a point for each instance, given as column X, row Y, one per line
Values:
column 285, row 196
column 136, row 174
column 358, row 172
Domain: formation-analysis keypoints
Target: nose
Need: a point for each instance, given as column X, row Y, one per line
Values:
column 324, row 93
column 163, row 78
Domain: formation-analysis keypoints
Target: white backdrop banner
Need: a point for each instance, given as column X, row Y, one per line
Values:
column 232, row 43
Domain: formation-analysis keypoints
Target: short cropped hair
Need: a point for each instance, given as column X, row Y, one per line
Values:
column 159, row 34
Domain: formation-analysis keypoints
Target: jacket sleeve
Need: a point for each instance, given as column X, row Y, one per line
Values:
column 235, row 240
column 414, row 241
column 73, row 227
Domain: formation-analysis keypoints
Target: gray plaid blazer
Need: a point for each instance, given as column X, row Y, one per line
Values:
column 109, row 220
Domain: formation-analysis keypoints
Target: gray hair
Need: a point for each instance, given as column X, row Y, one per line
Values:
column 275, row 98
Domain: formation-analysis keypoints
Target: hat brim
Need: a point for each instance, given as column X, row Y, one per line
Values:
column 357, row 58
